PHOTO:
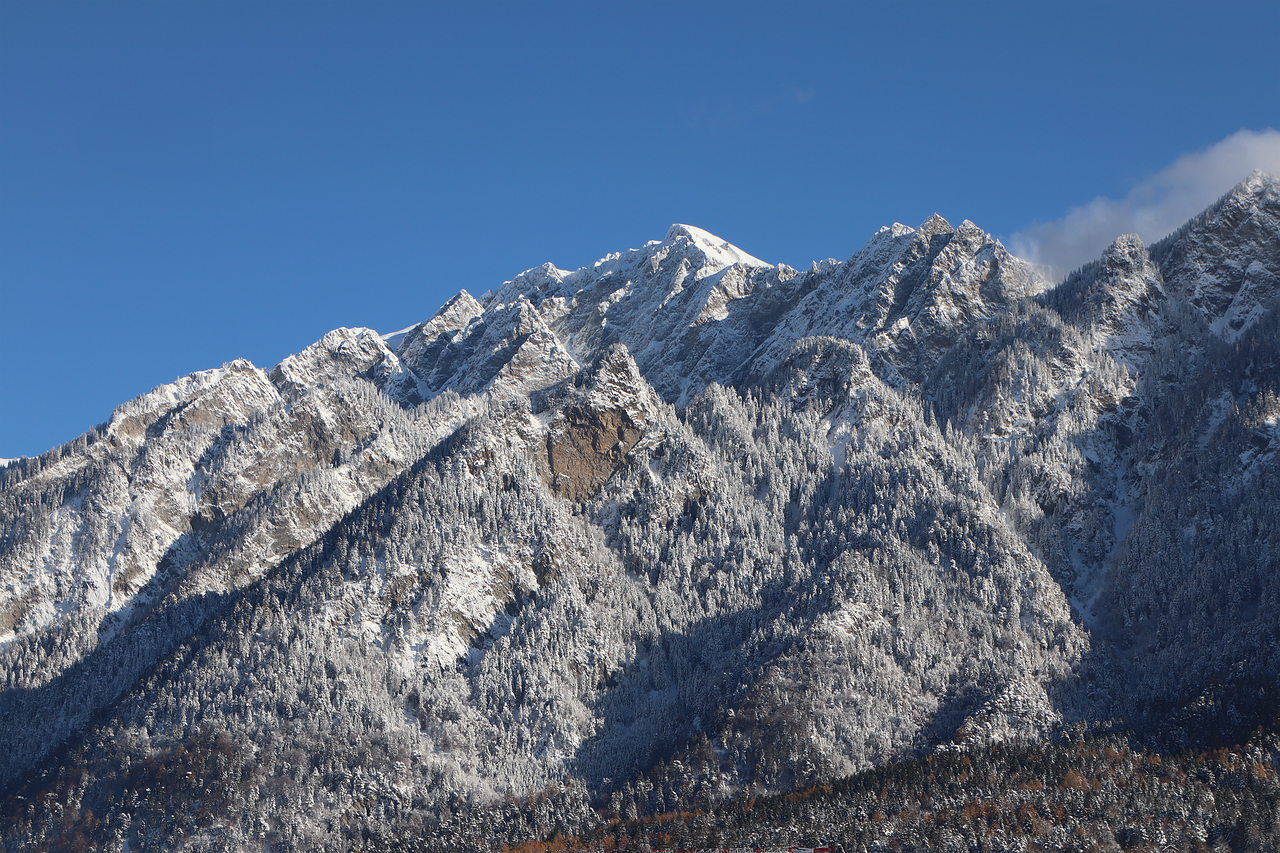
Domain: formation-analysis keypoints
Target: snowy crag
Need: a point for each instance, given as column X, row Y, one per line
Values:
column 679, row 509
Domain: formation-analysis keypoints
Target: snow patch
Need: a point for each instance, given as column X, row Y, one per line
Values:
column 394, row 339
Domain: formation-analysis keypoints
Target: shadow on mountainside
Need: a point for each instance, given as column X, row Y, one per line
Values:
column 36, row 721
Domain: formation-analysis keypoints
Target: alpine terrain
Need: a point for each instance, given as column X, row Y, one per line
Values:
column 915, row 550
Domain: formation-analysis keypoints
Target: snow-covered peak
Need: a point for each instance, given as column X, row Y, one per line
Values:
column 890, row 239
column 1227, row 260
column 453, row 316
column 337, row 356
column 907, row 295
column 897, row 229
column 935, row 225
column 614, row 381
column 1257, row 182
column 1126, row 245
column 703, row 254
column 1125, row 301
column 717, row 251
column 534, row 284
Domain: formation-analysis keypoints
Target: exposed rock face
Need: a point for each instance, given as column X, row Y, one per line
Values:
column 585, row 448
column 677, row 504
column 598, row 418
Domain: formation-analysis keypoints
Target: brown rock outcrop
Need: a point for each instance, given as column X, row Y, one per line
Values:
column 585, row 447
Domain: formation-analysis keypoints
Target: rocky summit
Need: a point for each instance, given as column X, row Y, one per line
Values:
column 665, row 534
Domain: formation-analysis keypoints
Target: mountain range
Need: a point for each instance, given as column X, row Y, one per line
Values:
column 678, row 527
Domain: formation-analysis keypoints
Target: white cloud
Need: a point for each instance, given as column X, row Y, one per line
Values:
column 1155, row 207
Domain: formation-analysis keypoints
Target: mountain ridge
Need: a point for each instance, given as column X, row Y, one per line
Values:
column 679, row 503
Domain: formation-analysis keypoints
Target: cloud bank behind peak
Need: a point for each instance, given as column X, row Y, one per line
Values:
column 1155, row 207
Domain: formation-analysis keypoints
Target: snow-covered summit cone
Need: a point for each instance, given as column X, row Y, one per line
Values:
column 1227, row 259
column 693, row 241
column 652, row 299
column 430, row 349
column 951, row 279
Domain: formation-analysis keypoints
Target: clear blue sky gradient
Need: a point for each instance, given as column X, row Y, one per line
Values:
column 186, row 183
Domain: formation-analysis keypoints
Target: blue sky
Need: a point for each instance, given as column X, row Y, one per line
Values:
column 186, row 183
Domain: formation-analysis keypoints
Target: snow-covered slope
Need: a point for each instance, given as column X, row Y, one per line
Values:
column 680, row 505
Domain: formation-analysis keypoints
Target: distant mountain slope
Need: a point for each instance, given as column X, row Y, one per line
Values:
column 680, row 507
